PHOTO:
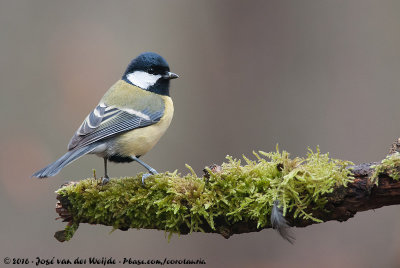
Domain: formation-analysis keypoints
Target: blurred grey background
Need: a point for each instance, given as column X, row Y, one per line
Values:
column 252, row 74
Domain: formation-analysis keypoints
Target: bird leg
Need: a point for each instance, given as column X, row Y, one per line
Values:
column 149, row 168
column 105, row 179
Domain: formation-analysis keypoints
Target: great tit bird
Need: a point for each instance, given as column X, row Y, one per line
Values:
column 128, row 121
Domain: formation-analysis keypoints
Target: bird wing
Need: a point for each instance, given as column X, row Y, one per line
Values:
column 106, row 121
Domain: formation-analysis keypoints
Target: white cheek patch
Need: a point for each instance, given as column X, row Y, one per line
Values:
column 143, row 79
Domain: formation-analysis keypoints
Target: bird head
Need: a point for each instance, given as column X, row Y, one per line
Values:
column 150, row 72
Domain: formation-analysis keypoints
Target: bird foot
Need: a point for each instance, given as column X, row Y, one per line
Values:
column 105, row 180
column 146, row 175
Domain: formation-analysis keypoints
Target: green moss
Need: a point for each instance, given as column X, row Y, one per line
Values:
column 390, row 165
column 67, row 233
column 238, row 192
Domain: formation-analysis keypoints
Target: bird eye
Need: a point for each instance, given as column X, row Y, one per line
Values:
column 151, row 71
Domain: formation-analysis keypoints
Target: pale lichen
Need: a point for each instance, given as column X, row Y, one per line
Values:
column 237, row 192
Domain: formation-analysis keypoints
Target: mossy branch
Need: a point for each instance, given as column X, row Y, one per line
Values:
column 234, row 198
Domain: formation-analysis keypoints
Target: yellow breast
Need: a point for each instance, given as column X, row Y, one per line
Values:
column 141, row 140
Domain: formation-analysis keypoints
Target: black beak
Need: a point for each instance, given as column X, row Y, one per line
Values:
column 170, row 75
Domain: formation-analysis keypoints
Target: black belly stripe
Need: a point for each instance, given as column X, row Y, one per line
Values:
column 120, row 159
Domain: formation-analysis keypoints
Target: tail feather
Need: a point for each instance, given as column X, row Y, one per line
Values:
column 66, row 159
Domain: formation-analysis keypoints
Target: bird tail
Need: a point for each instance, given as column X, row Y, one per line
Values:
column 55, row 167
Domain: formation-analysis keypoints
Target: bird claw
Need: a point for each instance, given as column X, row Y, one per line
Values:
column 146, row 175
column 105, row 180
